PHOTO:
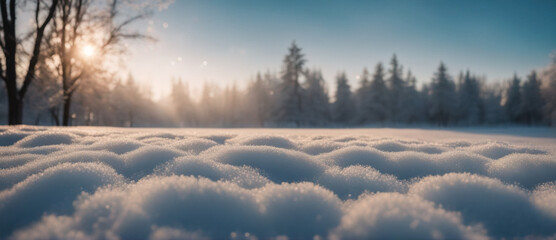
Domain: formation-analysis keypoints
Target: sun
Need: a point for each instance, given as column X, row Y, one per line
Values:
column 88, row 50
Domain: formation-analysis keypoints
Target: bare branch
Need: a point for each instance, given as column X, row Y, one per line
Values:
column 12, row 11
column 37, row 10
column 36, row 49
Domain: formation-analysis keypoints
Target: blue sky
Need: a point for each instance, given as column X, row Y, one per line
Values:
column 229, row 41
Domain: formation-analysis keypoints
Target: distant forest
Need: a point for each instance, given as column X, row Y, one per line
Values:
column 299, row 97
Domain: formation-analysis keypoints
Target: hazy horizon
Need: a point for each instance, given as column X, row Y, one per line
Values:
column 224, row 42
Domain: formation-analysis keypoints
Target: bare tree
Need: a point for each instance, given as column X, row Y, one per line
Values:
column 84, row 34
column 9, row 43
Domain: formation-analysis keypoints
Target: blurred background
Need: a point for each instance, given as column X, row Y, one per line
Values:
column 278, row 63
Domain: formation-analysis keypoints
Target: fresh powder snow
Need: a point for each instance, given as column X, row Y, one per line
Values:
column 120, row 183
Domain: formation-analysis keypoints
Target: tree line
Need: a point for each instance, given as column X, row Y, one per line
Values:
column 298, row 96
column 68, row 89
column 389, row 96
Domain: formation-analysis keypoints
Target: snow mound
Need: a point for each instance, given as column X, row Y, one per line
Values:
column 194, row 145
column 141, row 162
column 407, row 165
column 320, row 147
column 44, row 139
column 496, row 150
column 115, row 183
column 526, row 170
column 352, row 181
column 219, row 138
column 285, row 206
column 396, row 146
column 272, row 141
column 8, row 138
column 544, row 198
column 244, row 176
column 11, row 176
column 397, row 216
column 279, row 165
column 51, row 191
column 117, row 146
column 353, row 155
column 16, row 160
column 486, row 201
column 43, row 150
column 157, row 135
column 197, row 207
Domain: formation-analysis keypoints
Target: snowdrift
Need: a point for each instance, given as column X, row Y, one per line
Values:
column 111, row 183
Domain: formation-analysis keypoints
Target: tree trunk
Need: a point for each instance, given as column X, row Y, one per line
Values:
column 67, row 108
column 9, row 48
column 14, row 101
column 15, row 110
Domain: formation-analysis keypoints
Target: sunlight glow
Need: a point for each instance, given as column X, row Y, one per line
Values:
column 88, row 51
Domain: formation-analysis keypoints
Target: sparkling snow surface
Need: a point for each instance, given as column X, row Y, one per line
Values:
column 114, row 183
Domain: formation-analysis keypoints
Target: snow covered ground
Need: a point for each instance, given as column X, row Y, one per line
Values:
column 110, row 183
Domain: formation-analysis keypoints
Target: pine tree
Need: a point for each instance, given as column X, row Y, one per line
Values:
column 230, row 110
column 442, row 97
column 493, row 111
column 396, row 86
column 362, row 98
column 469, row 100
column 532, row 102
column 290, row 106
column 315, row 99
column 209, row 107
column 183, row 105
column 549, row 92
column 413, row 104
column 258, row 100
column 377, row 105
column 513, row 100
column 343, row 107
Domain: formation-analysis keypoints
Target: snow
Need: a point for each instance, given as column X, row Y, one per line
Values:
column 115, row 183
column 487, row 201
column 398, row 216
column 45, row 139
